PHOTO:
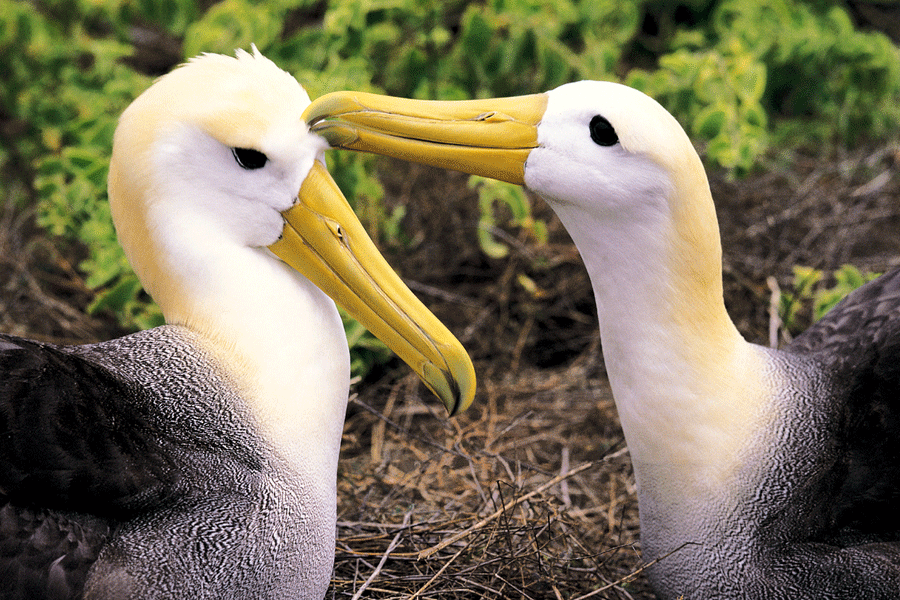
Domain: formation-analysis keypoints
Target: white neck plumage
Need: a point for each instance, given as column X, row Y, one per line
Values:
column 686, row 385
column 282, row 339
column 279, row 337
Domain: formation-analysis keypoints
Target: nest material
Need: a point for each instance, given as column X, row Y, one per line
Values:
column 507, row 501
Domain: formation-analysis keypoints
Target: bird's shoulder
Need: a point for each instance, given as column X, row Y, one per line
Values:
column 858, row 346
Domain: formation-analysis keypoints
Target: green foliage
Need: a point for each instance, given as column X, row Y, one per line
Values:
column 68, row 88
column 234, row 24
column 846, row 279
column 739, row 74
column 797, row 71
column 809, row 294
column 821, row 71
column 492, row 192
column 509, row 48
column 718, row 95
column 791, row 305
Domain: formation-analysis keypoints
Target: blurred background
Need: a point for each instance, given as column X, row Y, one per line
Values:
column 794, row 106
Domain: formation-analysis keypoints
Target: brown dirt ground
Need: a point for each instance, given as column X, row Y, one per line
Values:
column 499, row 484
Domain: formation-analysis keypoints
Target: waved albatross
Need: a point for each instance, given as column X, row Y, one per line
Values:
column 198, row 459
column 776, row 472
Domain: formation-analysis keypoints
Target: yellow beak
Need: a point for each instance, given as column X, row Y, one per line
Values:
column 323, row 240
column 492, row 138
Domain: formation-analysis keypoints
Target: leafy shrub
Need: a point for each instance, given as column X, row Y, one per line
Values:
column 799, row 66
column 821, row 71
column 491, row 193
column 717, row 93
column 510, row 48
column 738, row 74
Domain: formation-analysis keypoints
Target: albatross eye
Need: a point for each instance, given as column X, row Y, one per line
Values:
column 249, row 158
column 602, row 132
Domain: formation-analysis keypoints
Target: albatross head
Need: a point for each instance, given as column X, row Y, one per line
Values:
column 615, row 165
column 213, row 170
column 604, row 152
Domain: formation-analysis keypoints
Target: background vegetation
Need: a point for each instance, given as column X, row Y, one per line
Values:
column 743, row 77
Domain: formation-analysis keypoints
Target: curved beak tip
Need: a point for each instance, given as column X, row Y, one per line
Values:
column 462, row 400
column 455, row 385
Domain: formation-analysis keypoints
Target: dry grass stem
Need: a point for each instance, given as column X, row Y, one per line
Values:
column 500, row 512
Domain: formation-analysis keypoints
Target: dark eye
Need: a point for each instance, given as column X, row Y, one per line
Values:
column 249, row 158
column 602, row 132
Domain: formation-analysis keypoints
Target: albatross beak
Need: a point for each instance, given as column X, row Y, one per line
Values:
column 323, row 240
column 483, row 137
column 492, row 138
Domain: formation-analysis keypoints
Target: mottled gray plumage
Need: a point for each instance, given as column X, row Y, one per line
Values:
column 205, row 507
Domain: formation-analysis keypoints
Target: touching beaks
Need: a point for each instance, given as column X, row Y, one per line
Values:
column 324, row 240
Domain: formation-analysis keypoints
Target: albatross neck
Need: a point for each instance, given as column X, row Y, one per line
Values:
column 276, row 335
column 686, row 384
